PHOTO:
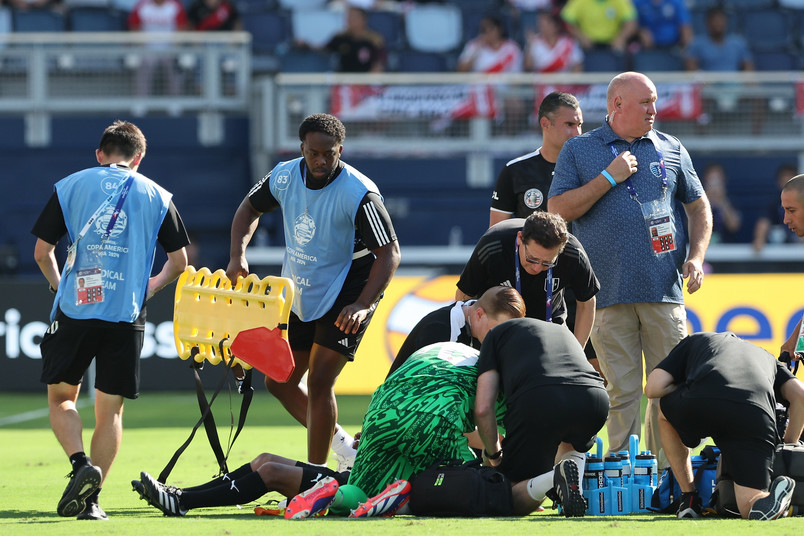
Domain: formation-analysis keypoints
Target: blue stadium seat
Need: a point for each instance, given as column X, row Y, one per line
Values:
column 434, row 27
column 657, row 60
column 389, row 26
column 316, row 26
column 255, row 6
column 413, row 61
column 775, row 61
column 603, row 61
column 742, row 5
column 766, row 30
column 305, row 61
column 96, row 19
column 269, row 31
column 302, row 5
column 39, row 20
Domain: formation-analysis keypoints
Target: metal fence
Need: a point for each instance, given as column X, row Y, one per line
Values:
column 481, row 116
column 42, row 74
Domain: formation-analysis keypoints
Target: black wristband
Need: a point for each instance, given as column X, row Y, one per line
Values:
column 51, row 289
column 494, row 456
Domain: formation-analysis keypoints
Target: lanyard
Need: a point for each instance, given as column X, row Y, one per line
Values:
column 629, row 184
column 123, row 194
column 548, row 314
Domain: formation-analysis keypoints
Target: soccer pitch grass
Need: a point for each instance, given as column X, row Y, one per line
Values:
column 32, row 467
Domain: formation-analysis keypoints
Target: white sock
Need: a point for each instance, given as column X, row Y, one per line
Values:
column 342, row 442
column 538, row 486
column 580, row 460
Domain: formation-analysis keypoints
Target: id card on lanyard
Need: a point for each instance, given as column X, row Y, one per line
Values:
column 548, row 285
column 658, row 214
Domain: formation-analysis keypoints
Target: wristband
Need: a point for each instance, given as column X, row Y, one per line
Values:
column 51, row 289
column 609, row 178
column 492, row 456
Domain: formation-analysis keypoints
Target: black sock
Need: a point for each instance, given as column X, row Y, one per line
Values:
column 93, row 499
column 240, row 491
column 78, row 459
column 240, row 472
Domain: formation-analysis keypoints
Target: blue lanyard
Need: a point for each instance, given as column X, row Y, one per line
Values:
column 117, row 207
column 548, row 314
column 629, row 184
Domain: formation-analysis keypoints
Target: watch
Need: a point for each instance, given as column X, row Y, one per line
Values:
column 494, row 456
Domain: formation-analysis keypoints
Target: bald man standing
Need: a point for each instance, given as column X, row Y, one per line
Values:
column 620, row 185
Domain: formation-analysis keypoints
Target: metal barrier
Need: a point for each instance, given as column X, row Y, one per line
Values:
column 131, row 72
column 477, row 115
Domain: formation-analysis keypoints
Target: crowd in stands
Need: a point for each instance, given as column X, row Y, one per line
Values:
column 466, row 35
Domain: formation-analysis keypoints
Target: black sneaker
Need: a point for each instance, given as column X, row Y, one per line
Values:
column 163, row 497
column 567, row 486
column 93, row 512
column 83, row 483
column 777, row 503
column 690, row 506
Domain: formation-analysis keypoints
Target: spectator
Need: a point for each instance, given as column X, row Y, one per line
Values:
column 663, row 23
column 601, row 23
column 214, row 15
column 726, row 220
column 359, row 48
column 718, row 50
column 491, row 51
column 157, row 16
column 552, row 50
column 770, row 227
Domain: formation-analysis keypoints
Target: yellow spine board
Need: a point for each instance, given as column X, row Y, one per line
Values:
column 207, row 309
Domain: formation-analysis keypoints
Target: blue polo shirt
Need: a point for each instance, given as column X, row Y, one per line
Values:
column 664, row 19
column 613, row 232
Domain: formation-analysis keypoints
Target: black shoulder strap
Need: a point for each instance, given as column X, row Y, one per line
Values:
column 207, row 418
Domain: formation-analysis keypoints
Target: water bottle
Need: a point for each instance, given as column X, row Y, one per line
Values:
column 644, row 469
column 626, row 466
column 613, row 470
column 593, row 473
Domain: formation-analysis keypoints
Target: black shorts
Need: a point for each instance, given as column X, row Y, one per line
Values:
column 570, row 413
column 744, row 433
column 69, row 346
column 323, row 331
column 311, row 474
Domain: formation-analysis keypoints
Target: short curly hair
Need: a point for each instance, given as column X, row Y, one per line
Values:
column 324, row 123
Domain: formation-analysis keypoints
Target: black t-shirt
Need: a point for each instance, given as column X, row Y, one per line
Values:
column 530, row 353
column 434, row 327
column 373, row 227
column 494, row 262
column 357, row 54
column 522, row 185
column 723, row 366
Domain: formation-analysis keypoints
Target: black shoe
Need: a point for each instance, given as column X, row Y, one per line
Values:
column 777, row 503
column 690, row 506
column 83, row 483
column 93, row 512
column 137, row 486
column 567, row 487
column 166, row 498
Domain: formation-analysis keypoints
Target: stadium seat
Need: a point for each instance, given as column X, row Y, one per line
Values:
column 269, row 31
column 96, row 19
column 305, row 61
column 413, row 61
column 766, row 30
column 39, row 20
column 317, row 26
column 775, row 61
column 657, row 60
column 302, row 5
column 434, row 28
column 742, row 5
column 389, row 26
column 255, row 6
column 603, row 61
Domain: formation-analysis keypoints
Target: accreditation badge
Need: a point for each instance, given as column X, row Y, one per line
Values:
column 89, row 278
column 661, row 229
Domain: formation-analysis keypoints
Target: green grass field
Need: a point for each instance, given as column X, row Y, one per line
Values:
column 33, row 466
